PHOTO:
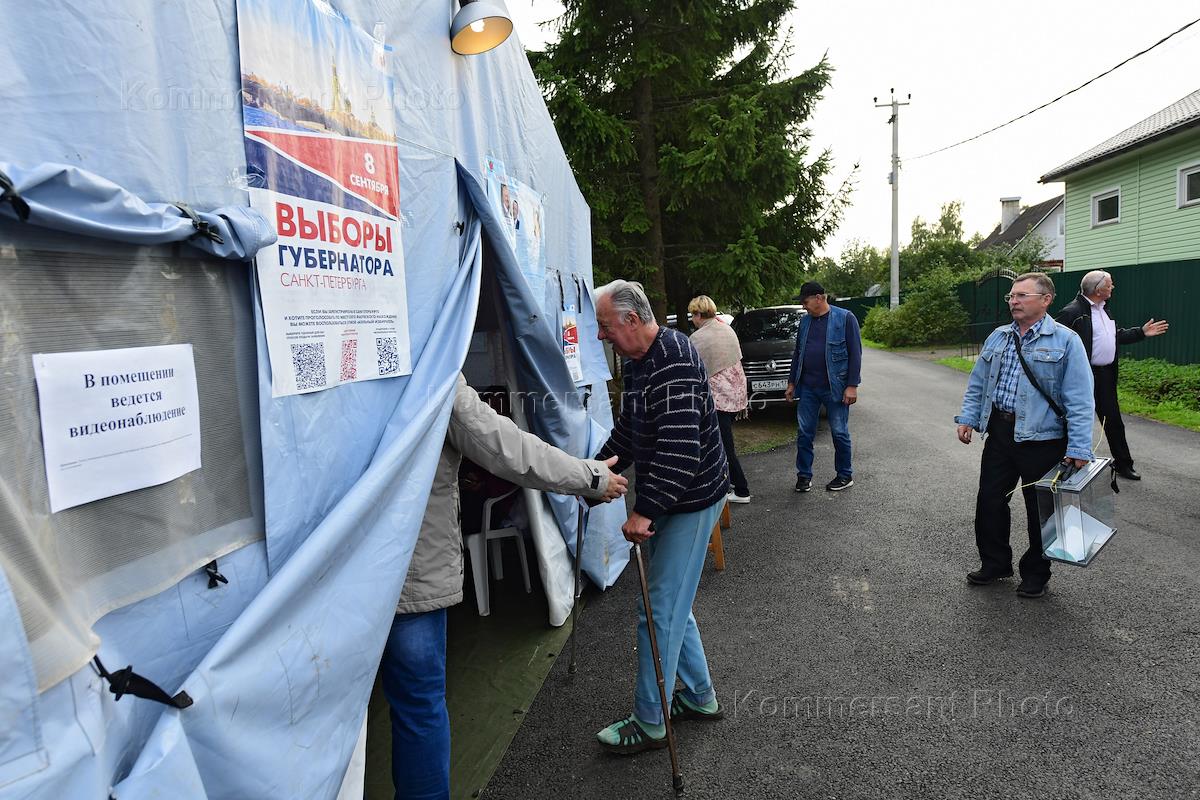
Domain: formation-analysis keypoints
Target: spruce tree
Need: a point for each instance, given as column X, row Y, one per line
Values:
column 689, row 142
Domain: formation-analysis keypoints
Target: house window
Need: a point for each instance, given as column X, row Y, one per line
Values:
column 1106, row 207
column 1189, row 185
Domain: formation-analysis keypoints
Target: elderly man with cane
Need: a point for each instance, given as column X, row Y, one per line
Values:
column 667, row 429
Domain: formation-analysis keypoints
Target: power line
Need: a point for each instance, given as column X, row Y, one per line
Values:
column 1060, row 97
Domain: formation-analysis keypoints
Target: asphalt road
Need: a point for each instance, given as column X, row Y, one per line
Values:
column 854, row 661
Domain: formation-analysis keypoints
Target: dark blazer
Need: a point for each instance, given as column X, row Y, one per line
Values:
column 1077, row 315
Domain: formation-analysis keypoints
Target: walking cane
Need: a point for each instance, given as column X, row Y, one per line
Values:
column 578, row 589
column 676, row 774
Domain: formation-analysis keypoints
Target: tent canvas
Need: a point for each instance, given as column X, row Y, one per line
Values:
column 122, row 112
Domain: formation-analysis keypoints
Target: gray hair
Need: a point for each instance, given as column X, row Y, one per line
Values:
column 1044, row 284
column 627, row 297
column 1091, row 282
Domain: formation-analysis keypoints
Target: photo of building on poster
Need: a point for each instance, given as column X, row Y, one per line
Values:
column 322, row 161
column 519, row 207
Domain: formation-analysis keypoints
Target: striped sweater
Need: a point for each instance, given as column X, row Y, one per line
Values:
column 667, row 429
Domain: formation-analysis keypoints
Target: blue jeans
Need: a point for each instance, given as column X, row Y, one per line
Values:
column 808, row 407
column 414, row 681
column 676, row 555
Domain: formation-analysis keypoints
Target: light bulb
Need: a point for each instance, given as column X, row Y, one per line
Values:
column 478, row 25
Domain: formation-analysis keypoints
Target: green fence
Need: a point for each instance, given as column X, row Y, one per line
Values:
column 859, row 306
column 1167, row 290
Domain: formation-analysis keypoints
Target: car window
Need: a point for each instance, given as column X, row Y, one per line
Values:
column 762, row 326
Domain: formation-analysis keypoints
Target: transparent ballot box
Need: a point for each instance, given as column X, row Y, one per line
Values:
column 1077, row 512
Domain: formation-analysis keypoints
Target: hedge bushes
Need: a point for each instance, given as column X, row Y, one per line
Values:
column 930, row 314
column 1159, row 381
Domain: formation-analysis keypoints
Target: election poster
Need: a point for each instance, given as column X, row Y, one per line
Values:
column 116, row 420
column 322, row 160
column 519, row 208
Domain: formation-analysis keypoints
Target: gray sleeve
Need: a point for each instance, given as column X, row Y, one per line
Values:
column 495, row 443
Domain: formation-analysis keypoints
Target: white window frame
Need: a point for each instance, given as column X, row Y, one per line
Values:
column 1104, row 195
column 1181, row 200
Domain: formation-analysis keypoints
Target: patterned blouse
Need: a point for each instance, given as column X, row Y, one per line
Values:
column 729, row 389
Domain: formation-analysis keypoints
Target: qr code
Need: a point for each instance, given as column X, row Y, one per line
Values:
column 389, row 360
column 308, row 359
column 349, row 359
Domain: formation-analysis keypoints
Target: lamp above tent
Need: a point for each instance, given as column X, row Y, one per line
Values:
column 479, row 26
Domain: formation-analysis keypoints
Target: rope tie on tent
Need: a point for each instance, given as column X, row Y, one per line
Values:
column 202, row 227
column 215, row 578
column 8, row 194
column 126, row 681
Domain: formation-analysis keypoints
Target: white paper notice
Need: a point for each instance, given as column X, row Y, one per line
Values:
column 116, row 420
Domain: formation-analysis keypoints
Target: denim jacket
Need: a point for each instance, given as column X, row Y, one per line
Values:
column 1058, row 359
column 843, row 351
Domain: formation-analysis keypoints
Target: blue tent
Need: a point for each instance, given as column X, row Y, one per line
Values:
column 126, row 223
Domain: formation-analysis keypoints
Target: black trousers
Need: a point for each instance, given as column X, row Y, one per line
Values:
column 1007, row 464
column 736, row 476
column 1109, row 412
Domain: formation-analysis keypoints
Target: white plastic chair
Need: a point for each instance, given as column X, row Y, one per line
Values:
column 477, row 551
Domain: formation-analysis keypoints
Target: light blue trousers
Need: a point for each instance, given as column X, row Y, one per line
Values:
column 676, row 555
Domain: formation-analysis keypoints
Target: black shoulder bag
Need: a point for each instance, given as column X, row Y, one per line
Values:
column 1032, row 380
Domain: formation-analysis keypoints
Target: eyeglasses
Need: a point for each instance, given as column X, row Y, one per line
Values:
column 1023, row 296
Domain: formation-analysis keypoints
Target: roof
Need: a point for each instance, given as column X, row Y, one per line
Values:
column 1178, row 116
column 1029, row 219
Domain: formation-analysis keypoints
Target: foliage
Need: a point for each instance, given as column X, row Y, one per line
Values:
column 933, row 246
column 688, row 141
column 1159, row 381
column 930, row 314
column 859, row 267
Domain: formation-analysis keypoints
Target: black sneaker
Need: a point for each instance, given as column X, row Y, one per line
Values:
column 839, row 483
column 803, row 484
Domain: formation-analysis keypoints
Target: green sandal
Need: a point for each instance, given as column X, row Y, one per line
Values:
column 682, row 710
column 627, row 736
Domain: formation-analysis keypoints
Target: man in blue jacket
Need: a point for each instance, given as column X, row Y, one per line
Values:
column 825, row 371
column 1026, row 434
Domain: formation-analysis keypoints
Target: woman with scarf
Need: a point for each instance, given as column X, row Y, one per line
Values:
column 722, row 355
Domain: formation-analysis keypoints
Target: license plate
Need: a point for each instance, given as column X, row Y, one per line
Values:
column 767, row 386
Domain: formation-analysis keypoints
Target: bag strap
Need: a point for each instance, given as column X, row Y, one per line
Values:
column 1029, row 374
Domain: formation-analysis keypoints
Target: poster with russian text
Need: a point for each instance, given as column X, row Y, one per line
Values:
column 519, row 208
column 323, row 166
column 116, row 420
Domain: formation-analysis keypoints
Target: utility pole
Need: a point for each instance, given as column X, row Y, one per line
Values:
column 894, row 180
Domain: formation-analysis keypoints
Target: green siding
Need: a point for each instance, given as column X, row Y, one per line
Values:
column 1152, row 229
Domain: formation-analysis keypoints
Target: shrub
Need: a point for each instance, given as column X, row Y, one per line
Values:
column 1159, row 381
column 930, row 314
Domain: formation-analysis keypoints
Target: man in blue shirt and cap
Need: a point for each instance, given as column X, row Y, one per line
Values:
column 825, row 372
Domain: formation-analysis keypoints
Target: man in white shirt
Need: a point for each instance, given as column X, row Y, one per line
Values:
column 1088, row 316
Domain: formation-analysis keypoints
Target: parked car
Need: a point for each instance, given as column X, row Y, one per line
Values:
column 768, row 337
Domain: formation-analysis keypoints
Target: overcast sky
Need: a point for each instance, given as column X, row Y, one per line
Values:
column 970, row 66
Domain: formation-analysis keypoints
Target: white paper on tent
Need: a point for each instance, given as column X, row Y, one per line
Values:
column 116, row 420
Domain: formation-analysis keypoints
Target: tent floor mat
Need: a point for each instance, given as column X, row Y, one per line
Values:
column 495, row 666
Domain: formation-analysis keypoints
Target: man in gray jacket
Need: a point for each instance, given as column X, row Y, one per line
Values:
column 413, row 671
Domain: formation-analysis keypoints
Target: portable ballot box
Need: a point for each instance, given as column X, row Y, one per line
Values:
column 1077, row 513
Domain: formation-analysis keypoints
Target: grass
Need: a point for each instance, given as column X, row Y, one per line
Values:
column 956, row 362
column 765, row 430
column 1170, row 412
